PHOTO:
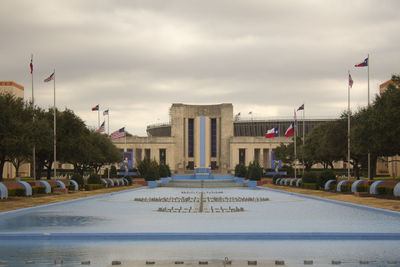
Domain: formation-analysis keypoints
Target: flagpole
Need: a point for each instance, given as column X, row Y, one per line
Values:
column 98, row 117
column 295, row 153
column 348, row 129
column 55, row 130
column 108, row 124
column 304, row 130
column 33, row 119
column 369, row 154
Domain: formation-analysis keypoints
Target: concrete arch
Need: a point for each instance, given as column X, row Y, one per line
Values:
column 281, row 181
column 104, row 181
column 286, row 181
column 291, row 181
column 298, row 182
column 278, row 180
column 28, row 188
column 76, row 186
column 121, row 182
column 47, row 186
column 373, row 190
column 3, row 191
column 396, row 190
column 339, row 185
column 126, row 181
column 111, row 181
column 116, row 182
column 328, row 184
column 355, row 185
column 60, row 184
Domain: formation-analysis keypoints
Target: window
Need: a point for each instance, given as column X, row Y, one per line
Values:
column 147, row 153
column 163, row 155
column 213, row 138
column 257, row 155
column 190, row 138
column 242, row 156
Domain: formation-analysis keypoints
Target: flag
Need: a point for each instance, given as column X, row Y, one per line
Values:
column 290, row 130
column 350, row 81
column 95, row 108
column 251, row 112
column 362, row 64
column 301, row 107
column 102, row 127
column 238, row 114
column 105, row 112
column 271, row 133
column 48, row 79
column 119, row 133
column 31, row 65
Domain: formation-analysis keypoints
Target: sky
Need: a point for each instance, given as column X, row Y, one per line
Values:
column 136, row 58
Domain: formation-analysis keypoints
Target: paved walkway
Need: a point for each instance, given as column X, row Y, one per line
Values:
column 389, row 204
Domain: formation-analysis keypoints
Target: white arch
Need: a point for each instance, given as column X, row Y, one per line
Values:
column 76, row 186
column 28, row 188
column 47, row 186
column 396, row 190
column 60, row 184
column 3, row 191
column 373, row 190
column 355, row 185
column 328, row 184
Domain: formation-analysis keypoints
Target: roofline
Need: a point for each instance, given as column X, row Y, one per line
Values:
column 11, row 83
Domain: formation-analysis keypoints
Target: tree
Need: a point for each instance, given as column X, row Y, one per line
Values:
column 15, row 126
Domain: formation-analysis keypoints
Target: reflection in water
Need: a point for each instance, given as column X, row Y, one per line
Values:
column 47, row 220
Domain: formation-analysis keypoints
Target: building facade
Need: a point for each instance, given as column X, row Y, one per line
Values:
column 208, row 136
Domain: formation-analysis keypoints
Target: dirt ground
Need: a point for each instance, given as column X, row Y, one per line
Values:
column 13, row 203
column 389, row 204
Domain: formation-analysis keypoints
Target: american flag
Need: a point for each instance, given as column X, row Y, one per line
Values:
column 48, row 79
column 102, row 127
column 105, row 112
column 31, row 65
column 350, row 81
column 118, row 134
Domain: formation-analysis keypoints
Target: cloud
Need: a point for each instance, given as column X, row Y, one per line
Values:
column 139, row 57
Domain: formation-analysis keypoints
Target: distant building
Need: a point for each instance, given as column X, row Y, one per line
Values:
column 209, row 136
column 18, row 91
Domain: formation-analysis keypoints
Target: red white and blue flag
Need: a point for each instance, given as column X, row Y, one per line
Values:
column 118, row 134
column 31, row 64
column 350, row 81
column 290, row 130
column 301, row 107
column 105, row 112
column 50, row 78
column 102, row 127
column 95, row 108
column 271, row 133
column 362, row 64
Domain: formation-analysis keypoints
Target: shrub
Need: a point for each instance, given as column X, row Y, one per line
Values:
column 385, row 190
column 310, row 177
column 163, row 170
column 325, row 176
column 254, row 171
column 312, row 186
column 71, row 187
column 240, row 170
column 38, row 190
column 90, row 187
column 149, row 170
column 113, row 171
column 94, row 179
column 346, row 188
column 363, row 188
column 78, row 178
column 20, row 192
column 11, row 192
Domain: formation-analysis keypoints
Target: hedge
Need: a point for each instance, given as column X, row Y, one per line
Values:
column 38, row 190
column 16, row 192
column 90, row 187
column 385, row 190
column 313, row 186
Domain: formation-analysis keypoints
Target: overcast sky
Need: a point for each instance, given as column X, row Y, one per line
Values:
column 136, row 58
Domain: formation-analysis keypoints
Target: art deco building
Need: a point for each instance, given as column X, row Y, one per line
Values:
column 209, row 136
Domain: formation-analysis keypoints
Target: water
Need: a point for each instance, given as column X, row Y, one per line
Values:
column 104, row 229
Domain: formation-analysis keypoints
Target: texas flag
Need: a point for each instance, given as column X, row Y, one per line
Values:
column 362, row 64
column 95, row 108
column 271, row 133
column 301, row 107
column 290, row 130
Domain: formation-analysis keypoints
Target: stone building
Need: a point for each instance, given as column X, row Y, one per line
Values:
column 208, row 136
